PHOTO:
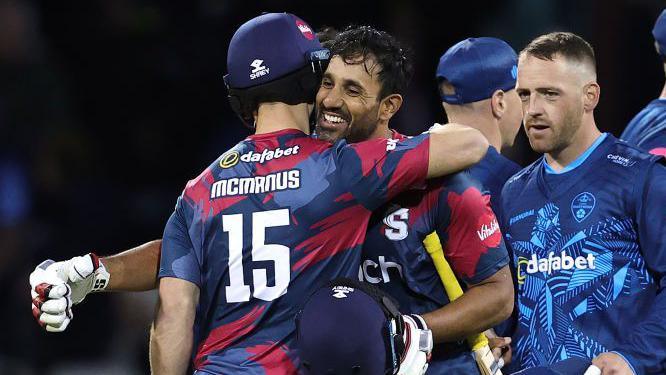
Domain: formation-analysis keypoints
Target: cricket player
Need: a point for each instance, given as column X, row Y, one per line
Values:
column 458, row 207
column 647, row 129
column 584, row 223
column 292, row 209
column 477, row 77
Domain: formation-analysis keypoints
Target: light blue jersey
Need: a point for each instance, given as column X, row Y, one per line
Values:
column 589, row 249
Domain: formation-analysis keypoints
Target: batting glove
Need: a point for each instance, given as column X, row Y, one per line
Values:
column 56, row 286
column 418, row 346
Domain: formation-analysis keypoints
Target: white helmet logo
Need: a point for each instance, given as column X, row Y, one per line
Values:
column 259, row 69
column 341, row 291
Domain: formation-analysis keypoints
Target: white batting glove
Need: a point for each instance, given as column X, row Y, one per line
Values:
column 418, row 346
column 56, row 286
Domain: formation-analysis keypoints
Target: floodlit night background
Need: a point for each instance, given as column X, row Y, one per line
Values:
column 107, row 108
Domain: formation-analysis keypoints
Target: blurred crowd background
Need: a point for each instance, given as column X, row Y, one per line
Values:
column 107, row 108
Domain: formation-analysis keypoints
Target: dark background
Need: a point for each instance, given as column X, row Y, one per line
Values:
column 107, row 108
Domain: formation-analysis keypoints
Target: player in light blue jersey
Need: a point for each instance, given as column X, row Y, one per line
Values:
column 648, row 128
column 585, row 225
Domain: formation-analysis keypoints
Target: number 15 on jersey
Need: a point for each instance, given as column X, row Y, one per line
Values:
column 238, row 290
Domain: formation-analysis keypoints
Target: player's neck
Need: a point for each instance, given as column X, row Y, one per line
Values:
column 273, row 117
column 381, row 132
column 489, row 129
column 582, row 141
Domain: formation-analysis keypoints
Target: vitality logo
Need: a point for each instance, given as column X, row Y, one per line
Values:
column 487, row 230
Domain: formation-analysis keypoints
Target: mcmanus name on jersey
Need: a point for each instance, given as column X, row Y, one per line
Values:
column 283, row 180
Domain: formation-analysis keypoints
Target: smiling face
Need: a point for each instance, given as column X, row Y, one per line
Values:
column 552, row 96
column 348, row 99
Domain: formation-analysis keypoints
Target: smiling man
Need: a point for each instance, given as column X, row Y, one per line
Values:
column 585, row 224
column 360, row 92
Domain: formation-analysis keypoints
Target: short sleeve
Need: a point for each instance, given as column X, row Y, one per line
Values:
column 474, row 245
column 377, row 170
column 179, row 258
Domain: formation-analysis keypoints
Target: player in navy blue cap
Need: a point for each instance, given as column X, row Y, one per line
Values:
column 584, row 223
column 350, row 327
column 362, row 89
column 648, row 128
column 477, row 80
column 269, row 220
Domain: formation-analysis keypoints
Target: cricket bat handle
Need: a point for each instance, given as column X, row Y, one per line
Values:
column 479, row 343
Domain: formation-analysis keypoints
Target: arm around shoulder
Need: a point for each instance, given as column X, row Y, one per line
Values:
column 453, row 148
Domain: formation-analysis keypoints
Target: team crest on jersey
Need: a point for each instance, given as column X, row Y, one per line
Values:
column 341, row 291
column 582, row 206
column 396, row 224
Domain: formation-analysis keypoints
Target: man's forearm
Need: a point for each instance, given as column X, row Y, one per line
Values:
column 170, row 347
column 453, row 148
column 481, row 307
column 134, row 269
column 171, row 336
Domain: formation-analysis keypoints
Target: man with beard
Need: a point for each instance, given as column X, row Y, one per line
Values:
column 361, row 90
column 584, row 223
column 360, row 93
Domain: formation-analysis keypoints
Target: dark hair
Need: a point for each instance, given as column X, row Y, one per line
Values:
column 367, row 42
column 568, row 45
column 326, row 36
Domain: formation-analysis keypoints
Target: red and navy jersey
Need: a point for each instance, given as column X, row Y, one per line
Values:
column 394, row 258
column 647, row 129
column 492, row 172
column 589, row 247
column 265, row 225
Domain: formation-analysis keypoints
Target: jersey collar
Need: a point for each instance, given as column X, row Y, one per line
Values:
column 579, row 160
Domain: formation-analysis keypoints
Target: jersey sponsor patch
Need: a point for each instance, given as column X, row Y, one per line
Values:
column 528, row 266
column 268, row 155
column 620, row 160
column 378, row 272
column 283, row 180
column 582, row 206
column 487, row 230
column 229, row 159
column 521, row 216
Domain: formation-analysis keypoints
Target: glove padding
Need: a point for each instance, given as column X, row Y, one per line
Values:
column 56, row 286
column 418, row 346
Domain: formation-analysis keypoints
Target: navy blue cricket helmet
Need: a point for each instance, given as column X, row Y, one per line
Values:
column 275, row 57
column 349, row 327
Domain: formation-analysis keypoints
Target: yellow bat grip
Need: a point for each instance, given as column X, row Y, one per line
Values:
column 451, row 285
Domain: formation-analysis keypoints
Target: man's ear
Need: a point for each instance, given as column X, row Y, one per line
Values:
column 591, row 95
column 389, row 106
column 498, row 104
